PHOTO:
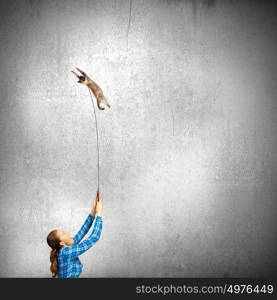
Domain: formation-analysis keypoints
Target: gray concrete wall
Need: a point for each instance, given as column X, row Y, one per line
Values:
column 188, row 147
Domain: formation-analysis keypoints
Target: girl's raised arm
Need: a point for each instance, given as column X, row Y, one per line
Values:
column 84, row 229
column 78, row 249
column 88, row 222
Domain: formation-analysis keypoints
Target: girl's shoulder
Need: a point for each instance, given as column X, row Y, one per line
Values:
column 64, row 250
column 62, row 254
column 61, row 251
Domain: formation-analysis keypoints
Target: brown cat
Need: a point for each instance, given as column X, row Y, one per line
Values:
column 94, row 87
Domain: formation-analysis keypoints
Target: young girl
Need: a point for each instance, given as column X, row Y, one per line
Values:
column 64, row 258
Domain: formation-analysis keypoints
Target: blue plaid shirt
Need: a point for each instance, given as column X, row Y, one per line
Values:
column 69, row 264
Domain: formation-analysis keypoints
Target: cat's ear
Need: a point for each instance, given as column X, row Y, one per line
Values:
column 82, row 72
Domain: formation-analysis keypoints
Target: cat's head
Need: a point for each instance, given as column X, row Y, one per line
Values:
column 83, row 80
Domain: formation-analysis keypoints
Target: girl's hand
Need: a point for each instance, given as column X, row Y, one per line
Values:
column 99, row 207
column 93, row 210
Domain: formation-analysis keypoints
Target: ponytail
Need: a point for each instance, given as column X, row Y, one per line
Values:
column 54, row 242
column 54, row 264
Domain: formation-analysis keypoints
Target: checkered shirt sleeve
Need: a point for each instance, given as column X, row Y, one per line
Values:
column 84, row 229
column 78, row 249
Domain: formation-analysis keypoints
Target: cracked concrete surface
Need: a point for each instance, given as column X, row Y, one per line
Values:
column 187, row 149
